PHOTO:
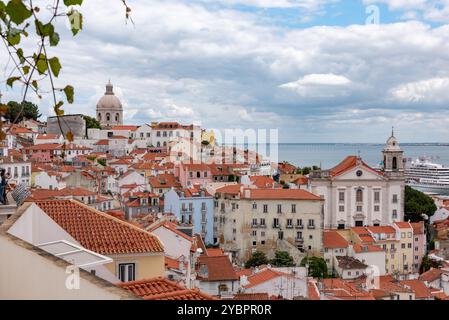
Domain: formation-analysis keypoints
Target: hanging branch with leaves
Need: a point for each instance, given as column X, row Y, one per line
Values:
column 18, row 18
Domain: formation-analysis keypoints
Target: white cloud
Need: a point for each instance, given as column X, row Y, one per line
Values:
column 435, row 90
column 319, row 85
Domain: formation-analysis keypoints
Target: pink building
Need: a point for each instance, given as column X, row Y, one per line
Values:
column 419, row 244
column 190, row 174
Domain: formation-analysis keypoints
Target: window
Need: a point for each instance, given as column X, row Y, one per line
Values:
column 341, row 196
column 262, row 222
column 409, row 245
column 275, row 222
column 254, row 222
column 254, row 233
column 359, row 195
column 127, row 272
column 254, row 206
column 376, row 196
column 289, row 222
column 359, row 223
column 203, row 206
column 279, row 208
column 311, row 223
column 395, row 214
column 293, row 208
column 341, row 226
column 395, row 198
column 395, row 163
column 265, row 208
column 341, row 208
column 359, row 208
column 299, row 235
column 376, row 208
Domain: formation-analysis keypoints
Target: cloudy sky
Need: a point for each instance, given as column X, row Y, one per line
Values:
column 318, row 70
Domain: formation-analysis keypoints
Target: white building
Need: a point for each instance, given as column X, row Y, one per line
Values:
column 358, row 195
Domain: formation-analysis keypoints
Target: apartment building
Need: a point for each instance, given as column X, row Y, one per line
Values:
column 258, row 219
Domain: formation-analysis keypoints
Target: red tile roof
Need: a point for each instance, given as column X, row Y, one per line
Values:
column 350, row 163
column 418, row 227
column 172, row 227
column 213, row 252
column 420, row 289
column 358, row 248
column 163, row 289
column 403, row 225
column 219, row 268
column 431, row 275
column 98, row 231
column 262, row 276
column 279, row 194
column 332, row 239
column 252, row 296
column 231, row 189
column 130, row 128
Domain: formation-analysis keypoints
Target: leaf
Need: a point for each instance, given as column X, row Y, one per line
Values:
column 44, row 30
column 10, row 81
column 41, row 63
column 54, row 39
column 58, row 110
column 73, row 2
column 34, row 84
column 19, row 53
column 26, row 69
column 55, row 66
column 17, row 11
column 69, row 136
column 76, row 21
column 13, row 39
column 69, row 92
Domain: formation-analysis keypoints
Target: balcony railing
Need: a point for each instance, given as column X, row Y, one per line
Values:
column 289, row 226
column 299, row 240
column 299, row 226
column 276, row 226
column 311, row 227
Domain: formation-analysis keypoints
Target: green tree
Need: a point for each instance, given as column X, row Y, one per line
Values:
column 317, row 267
column 282, row 259
column 258, row 258
column 17, row 112
column 416, row 204
column 92, row 123
column 428, row 263
column 306, row 170
column 102, row 162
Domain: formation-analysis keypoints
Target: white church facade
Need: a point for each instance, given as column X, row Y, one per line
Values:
column 358, row 195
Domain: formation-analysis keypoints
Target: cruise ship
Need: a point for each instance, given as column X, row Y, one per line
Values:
column 428, row 177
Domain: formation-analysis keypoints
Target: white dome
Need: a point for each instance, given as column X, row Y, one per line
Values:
column 109, row 101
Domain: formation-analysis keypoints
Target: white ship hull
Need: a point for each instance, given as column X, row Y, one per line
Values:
column 428, row 188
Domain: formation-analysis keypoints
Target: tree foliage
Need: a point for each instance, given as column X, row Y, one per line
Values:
column 36, row 20
column 92, row 123
column 282, row 259
column 416, row 204
column 317, row 266
column 258, row 258
column 16, row 112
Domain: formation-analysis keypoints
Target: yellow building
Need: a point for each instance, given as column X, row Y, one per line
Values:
column 396, row 240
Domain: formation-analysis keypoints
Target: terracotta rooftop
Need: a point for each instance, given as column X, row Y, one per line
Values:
column 219, row 268
column 279, row 194
column 431, row 275
column 98, row 231
column 332, row 239
column 263, row 276
column 163, row 289
column 350, row 163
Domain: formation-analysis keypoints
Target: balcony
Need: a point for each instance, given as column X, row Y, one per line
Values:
column 299, row 226
column 289, row 226
column 263, row 226
column 311, row 227
column 276, row 226
column 299, row 240
column 254, row 226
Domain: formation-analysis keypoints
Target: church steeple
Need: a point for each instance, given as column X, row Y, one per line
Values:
column 393, row 156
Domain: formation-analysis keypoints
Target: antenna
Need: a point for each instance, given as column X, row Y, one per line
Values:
column 392, row 131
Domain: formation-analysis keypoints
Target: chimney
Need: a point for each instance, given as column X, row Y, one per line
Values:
column 248, row 193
